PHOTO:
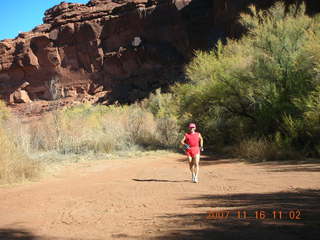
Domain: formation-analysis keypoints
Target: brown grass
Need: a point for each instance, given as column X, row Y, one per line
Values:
column 264, row 150
column 80, row 130
column 85, row 128
column 15, row 166
column 257, row 149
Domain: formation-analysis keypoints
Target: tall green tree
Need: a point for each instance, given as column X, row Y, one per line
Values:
column 251, row 87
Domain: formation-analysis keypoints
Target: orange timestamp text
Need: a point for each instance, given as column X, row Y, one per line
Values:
column 294, row 214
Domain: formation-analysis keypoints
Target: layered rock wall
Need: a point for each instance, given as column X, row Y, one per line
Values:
column 116, row 45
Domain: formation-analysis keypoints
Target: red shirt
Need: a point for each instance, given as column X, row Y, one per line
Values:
column 192, row 139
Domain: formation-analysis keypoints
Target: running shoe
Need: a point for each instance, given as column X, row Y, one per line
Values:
column 196, row 179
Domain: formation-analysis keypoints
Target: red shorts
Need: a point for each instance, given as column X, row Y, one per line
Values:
column 193, row 151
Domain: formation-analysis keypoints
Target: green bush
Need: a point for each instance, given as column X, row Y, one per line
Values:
column 258, row 86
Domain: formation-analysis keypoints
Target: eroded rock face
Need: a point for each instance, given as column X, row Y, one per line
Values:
column 103, row 45
column 108, row 50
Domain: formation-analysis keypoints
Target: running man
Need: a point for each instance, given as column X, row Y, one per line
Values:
column 190, row 142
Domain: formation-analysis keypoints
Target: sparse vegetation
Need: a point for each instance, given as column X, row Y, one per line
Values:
column 83, row 130
column 87, row 128
column 15, row 165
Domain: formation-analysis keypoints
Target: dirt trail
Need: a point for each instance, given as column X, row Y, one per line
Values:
column 152, row 197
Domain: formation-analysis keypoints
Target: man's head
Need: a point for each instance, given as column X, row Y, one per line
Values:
column 192, row 127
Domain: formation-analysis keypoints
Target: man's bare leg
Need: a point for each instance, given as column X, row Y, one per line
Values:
column 196, row 166
column 191, row 166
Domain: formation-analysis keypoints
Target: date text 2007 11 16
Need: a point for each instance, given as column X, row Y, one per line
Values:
column 258, row 214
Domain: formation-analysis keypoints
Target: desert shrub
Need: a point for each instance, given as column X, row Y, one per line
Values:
column 251, row 87
column 75, row 130
column 141, row 126
column 4, row 112
column 105, row 129
column 164, row 108
column 262, row 149
column 257, row 149
column 161, row 105
column 168, row 132
column 15, row 165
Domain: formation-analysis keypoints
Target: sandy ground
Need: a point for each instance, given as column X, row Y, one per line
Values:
column 152, row 197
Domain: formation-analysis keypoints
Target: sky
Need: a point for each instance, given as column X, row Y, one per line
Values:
column 23, row 15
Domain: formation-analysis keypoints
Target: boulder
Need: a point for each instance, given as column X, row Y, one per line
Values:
column 70, row 92
column 20, row 96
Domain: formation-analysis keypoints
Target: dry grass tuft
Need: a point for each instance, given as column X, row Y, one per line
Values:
column 15, row 165
column 257, row 149
column 263, row 150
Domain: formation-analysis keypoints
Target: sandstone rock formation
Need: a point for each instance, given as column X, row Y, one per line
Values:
column 106, row 45
column 108, row 50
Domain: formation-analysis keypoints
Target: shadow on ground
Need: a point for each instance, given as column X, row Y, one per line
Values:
column 307, row 165
column 23, row 234
column 158, row 180
column 303, row 204
column 207, row 160
column 295, row 168
column 16, row 234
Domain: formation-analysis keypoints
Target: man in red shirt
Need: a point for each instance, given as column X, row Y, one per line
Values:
column 190, row 142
